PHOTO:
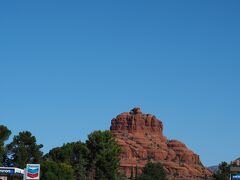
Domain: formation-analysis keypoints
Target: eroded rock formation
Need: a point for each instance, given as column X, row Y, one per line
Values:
column 141, row 138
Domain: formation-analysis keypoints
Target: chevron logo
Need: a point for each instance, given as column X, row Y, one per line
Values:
column 33, row 171
column 32, row 175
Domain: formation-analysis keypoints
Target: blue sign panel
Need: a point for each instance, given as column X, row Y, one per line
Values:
column 6, row 171
column 236, row 177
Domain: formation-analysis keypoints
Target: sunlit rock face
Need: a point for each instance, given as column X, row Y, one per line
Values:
column 141, row 139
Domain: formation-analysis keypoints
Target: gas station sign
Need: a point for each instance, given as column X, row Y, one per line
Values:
column 32, row 172
column 235, row 177
column 11, row 170
column 6, row 171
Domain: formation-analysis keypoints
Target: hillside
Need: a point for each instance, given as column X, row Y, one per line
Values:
column 141, row 138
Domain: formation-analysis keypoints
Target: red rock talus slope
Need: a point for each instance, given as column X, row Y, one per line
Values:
column 141, row 138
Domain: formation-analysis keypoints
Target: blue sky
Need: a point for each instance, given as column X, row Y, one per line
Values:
column 68, row 67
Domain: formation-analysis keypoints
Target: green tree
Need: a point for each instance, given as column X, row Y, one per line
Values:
column 56, row 171
column 223, row 172
column 153, row 171
column 74, row 154
column 136, row 171
column 4, row 135
column 24, row 149
column 103, row 160
column 132, row 177
column 120, row 176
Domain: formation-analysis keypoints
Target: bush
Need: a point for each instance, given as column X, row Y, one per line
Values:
column 153, row 171
column 56, row 171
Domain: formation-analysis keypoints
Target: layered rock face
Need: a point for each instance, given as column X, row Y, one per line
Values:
column 141, row 138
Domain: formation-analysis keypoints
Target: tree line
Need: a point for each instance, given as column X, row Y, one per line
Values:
column 95, row 159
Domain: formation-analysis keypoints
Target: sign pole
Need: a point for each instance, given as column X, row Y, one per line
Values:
column 24, row 175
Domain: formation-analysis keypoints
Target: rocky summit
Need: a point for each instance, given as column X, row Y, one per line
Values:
column 141, row 139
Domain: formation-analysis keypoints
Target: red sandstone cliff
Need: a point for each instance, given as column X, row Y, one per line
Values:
column 141, row 138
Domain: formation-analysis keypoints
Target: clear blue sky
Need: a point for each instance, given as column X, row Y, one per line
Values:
column 68, row 67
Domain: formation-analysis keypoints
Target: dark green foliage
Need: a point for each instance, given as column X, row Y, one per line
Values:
column 120, row 176
column 24, row 149
column 4, row 135
column 74, row 154
column 131, row 177
column 223, row 172
column 98, row 158
column 56, row 171
column 136, row 172
column 153, row 171
column 104, row 155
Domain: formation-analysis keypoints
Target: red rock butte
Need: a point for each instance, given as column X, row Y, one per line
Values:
column 141, row 139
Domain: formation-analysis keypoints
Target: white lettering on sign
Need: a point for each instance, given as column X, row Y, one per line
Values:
column 6, row 171
column 236, row 176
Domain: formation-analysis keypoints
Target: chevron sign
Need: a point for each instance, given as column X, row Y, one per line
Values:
column 235, row 177
column 32, row 171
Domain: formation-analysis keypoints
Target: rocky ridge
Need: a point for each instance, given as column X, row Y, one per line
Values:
column 141, row 139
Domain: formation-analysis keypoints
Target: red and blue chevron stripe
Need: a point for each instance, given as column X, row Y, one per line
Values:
column 32, row 172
